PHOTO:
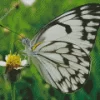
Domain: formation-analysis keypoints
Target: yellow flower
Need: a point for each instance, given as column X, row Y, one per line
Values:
column 13, row 61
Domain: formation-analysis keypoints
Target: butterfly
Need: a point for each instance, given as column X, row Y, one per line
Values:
column 61, row 50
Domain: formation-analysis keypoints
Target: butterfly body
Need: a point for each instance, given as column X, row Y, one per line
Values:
column 61, row 49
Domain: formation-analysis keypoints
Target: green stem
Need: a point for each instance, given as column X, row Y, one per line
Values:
column 13, row 91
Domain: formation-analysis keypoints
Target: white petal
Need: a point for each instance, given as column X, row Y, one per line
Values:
column 6, row 57
column 24, row 63
column 28, row 2
column 3, row 63
column 19, row 68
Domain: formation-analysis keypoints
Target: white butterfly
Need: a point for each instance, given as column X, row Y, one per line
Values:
column 61, row 49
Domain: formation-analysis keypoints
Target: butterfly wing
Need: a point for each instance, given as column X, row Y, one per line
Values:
column 77, row 26
column 65, row 45
column 63, row 65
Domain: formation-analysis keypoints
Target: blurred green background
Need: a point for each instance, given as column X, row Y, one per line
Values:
column 28, row 20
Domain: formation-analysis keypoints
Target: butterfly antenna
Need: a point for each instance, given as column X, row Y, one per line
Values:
column 16, row 6
column 21, row 37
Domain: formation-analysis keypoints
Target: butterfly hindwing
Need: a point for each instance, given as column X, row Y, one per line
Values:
column 77, row 26
column 65, row 66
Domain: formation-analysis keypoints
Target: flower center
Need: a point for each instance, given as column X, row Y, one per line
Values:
column 13, row 61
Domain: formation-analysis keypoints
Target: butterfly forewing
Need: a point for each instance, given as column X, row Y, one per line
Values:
column 77, row 26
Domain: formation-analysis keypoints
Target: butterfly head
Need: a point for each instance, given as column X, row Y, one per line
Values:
column 26, row 43
column 27, row 52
